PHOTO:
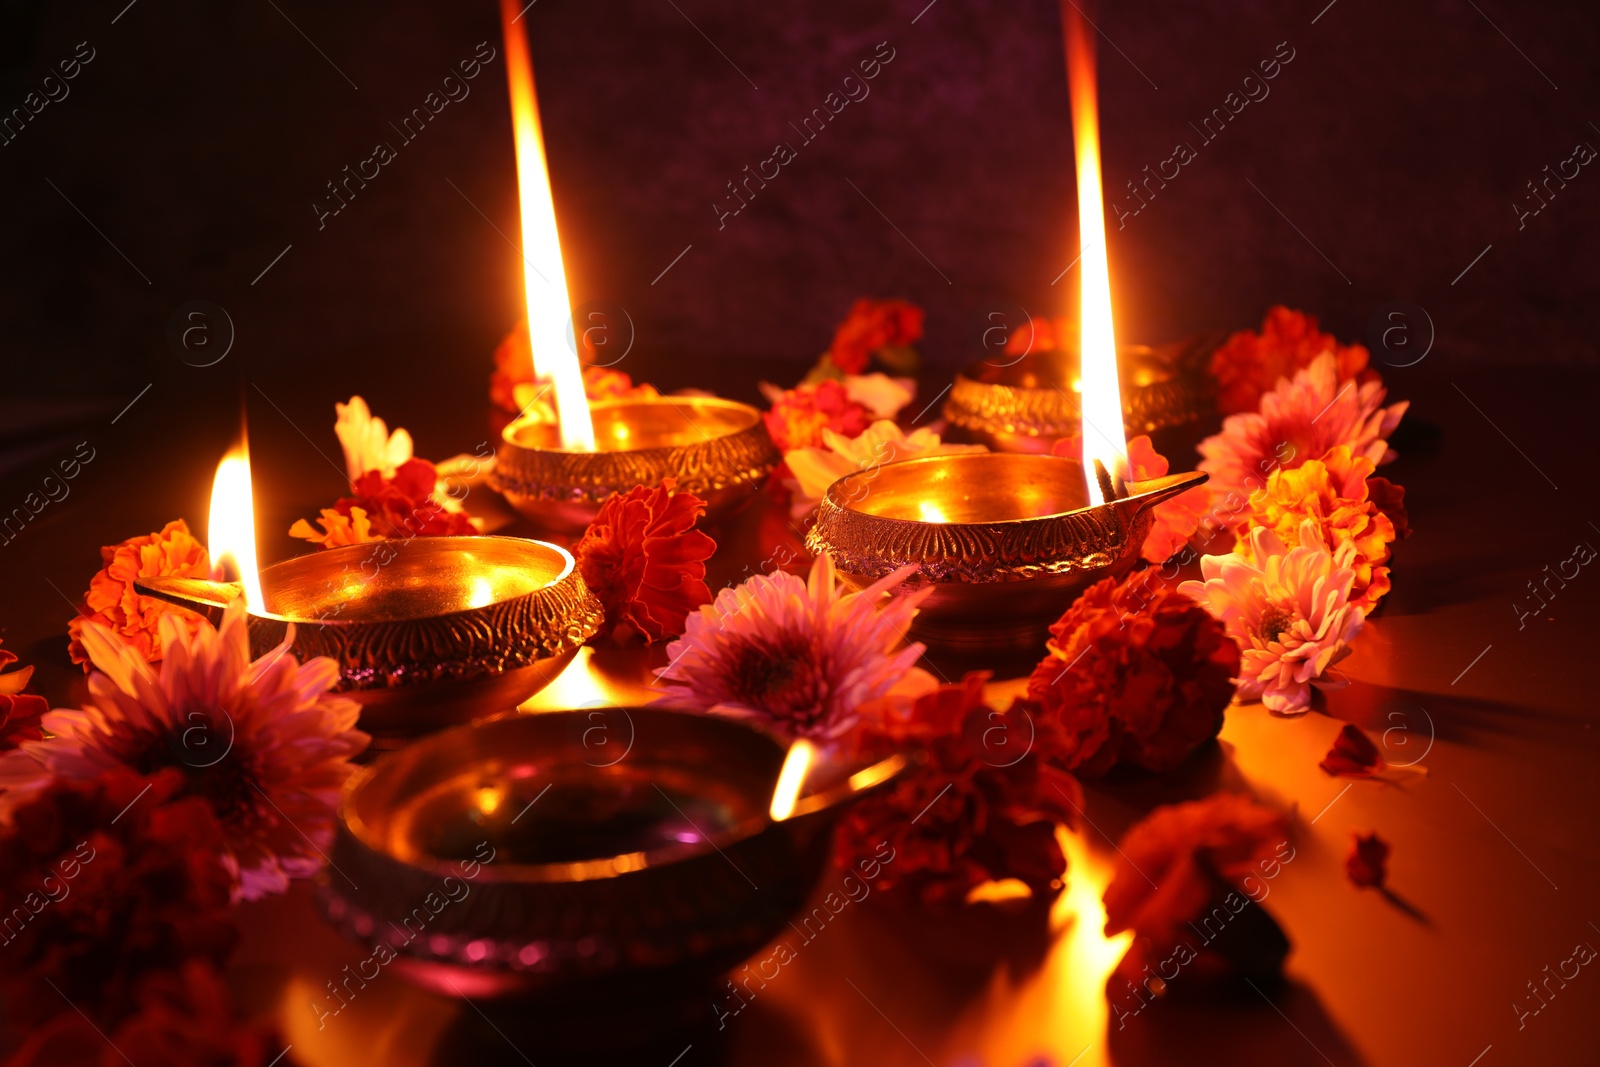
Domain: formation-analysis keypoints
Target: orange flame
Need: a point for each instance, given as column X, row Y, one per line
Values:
column 1103, row 435
column 231, row 526
column 793, row 775
column 544, row 279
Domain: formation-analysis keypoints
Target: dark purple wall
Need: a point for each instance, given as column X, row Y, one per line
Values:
column 1388, row 154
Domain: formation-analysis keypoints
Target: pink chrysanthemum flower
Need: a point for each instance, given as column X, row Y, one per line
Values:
column 1289, row 609
column 801, row 657
column 1298, row 421
column 264, row 742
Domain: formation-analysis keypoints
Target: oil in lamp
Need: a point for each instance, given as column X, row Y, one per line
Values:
column 427, row 632
column 647, row 877
column 1008, row 540
column 558, row 474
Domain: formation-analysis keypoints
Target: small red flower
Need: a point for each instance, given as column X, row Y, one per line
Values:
column 19, row 711
column 645, row 560
column 116, row 880
column 872, row 325
column 982, row 806
column 1160, row 883
column 1368, row 863
column 799, row 416
column 1136, row 673
column 1249, row 364
column 1353, row 755
column 185, row 1018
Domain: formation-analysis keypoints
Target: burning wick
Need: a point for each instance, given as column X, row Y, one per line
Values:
column 795, row 766
column 231, row 526
column 544, row 278
column 1105, row 445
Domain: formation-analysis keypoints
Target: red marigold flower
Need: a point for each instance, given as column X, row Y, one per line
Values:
column 1353, row 755
column 1136, row 673
column 1161, row 881
column 645, row 560
column 871, row 325
column 1249, row 364
column 983, row 805
column 799, row 416
column 185, row 1018
column 1368, row 863
column 112, row 602
column 107, row 880
column 401, row 505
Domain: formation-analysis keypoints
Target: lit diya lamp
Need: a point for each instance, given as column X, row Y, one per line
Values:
column 558, row 472
column 427, row 632
column 1009, row 540
column 1028, row 401
column 588, row 877
column 1025, row 402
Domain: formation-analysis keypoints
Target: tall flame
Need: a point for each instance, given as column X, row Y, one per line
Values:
column 1103, row 436
column 231, row 526
column 544, row 279
column 793, row 775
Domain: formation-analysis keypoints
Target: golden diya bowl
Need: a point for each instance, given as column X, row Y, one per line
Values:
column 1007, row 540
column 583, row 858
column 427, row 632
column 1026, row 403
column 717, row 449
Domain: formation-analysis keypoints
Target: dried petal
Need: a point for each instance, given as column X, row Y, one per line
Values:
column 1353, row 755
column 1368, row 862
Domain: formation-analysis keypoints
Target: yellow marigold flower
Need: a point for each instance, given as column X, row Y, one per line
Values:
column 1331, row 491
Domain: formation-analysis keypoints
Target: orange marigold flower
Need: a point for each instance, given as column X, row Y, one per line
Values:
column 603, row 383
column 1249, row 364
column 1162, row 879
column 799, row 416
column 1136, row 673
column 645, row 560
column 1333, row 492
column 1041, row 334
column 337, row 528
column 1390, row 499
column 872, row 325
column 112, row 602
column 513, row 367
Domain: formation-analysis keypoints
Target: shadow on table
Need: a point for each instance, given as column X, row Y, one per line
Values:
column 1241, row 1026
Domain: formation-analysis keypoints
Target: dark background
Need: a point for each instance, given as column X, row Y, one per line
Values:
column 200, row 135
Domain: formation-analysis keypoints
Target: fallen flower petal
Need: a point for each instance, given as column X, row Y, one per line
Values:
column 1368, row 862
column 1353, row 755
